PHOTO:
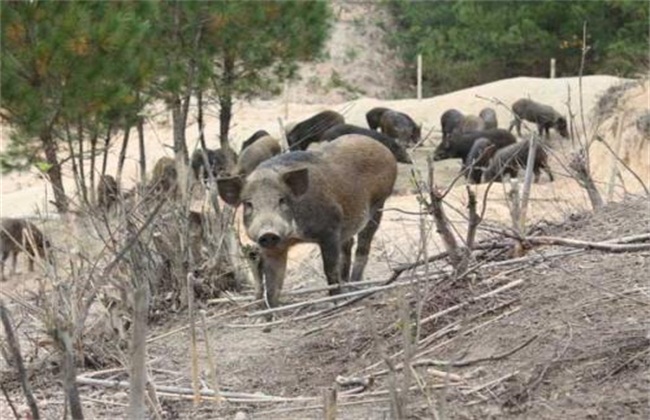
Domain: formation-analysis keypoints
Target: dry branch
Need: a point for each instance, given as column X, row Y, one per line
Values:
column 574, row 243
column 14, row 349
column 468, row 362
column 229, row 396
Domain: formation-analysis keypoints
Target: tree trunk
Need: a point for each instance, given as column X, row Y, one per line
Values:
column 138, row 372
column 69, row 373
column 200, row 122
column 107, row 142
column 180, row 109
column 143, row 157
column 82, row 171
column 225, row 101
column 54, row 171
column 73, row 157
column 93, row 160
column 122, row 158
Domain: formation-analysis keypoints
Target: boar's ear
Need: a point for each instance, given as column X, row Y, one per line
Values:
column 230, row 189
column 297, row 180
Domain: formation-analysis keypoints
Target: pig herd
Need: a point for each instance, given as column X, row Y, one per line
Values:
column 331, row 195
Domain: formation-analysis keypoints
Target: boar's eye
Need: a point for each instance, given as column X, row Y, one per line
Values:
column 248, row 205
column 282, row 201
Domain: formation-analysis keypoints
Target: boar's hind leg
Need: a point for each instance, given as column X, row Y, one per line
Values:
column 274, row 268
column 363, row 244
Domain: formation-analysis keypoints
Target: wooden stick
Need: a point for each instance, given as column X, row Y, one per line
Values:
column 601, row 246
column 463, row 363
column 257, row 397
column 321, row 300
column 329, row 403
column 319, row 406
column 489, row 384
column 194, row 357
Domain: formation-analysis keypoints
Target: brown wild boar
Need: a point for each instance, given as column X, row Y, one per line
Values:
column 400, row 126
column 325, row 197
column 450, row 121
column 472, row 123
column 509, row 159
column 543, row 115
column 164, row 177
column 19, row 235
column 310, row 130
column 107, row 192
column 262, row 149
column 373, row 117
column 490, row 117
column 253, row 138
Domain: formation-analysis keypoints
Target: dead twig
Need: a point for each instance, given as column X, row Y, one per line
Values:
column 11, row 404
column 574, row 243
column 490, row 383
column 463, row 363
column 14, row 350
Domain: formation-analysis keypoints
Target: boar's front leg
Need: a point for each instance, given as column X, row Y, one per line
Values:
column 330, row 249
column 274, row 267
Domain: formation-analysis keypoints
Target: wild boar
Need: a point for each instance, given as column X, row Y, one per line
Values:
column 325, row 197
column 472, row 123
column 459, row 145
column 489, row 116
column 264, row 148
column 342, row 129
column 509, row 159
column 373, row 117
column 252, row 139
column 401, row 127
column 450, row 121
column 107, row 192
column 19, row 235
column 218, row 162
column 310, row 130
column 543, row 115
column 478, row 159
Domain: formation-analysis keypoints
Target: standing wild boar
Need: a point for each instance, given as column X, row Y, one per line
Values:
column 342, row 129
column 478, row 158
column 264, row 148
column 19, row 235
column 373, row 117
column 509, row 159
column 472, row 123
column 401, row 127
column 107, row 192
column 310, row 130
column 450, row 121
column 325, row 197
column 489, row 116
column 459, row 145
column 217, row 160
column 543, row 115
column 252, row 139
column 164, row 178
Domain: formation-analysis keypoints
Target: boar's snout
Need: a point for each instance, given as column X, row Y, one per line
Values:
column 268, row 240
